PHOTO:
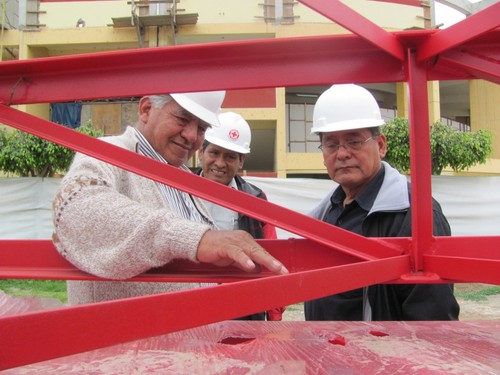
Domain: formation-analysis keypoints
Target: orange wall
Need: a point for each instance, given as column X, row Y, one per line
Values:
column 254, row 98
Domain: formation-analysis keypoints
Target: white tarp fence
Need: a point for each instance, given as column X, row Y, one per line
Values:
column 25, row 207
column 471, row 204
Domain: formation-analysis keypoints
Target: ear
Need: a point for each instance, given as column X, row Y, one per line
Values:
column 145, row 106
column 382, row 145
column 242, row 160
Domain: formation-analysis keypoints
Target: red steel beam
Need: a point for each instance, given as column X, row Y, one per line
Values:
column 481, row 60
column 353, row 21
column 478, row 66
column 266, row 63
column 471, row 270
column 38, row 259
column 234, row 199
column 481, row 247
column 212, row 66
column 459, row 33
column 420, row 161
column 61, row 332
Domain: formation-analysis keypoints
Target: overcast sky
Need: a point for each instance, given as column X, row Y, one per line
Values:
column 447, row 15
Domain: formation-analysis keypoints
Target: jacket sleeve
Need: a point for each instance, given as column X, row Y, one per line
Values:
column 104, row 228
column 430, row 301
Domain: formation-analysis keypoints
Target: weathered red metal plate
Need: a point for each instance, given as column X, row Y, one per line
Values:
column 234, row 347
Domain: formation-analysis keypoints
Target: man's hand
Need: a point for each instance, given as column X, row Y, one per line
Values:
column 236, row 248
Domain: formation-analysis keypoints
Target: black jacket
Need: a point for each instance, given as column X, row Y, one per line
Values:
column 248, row 224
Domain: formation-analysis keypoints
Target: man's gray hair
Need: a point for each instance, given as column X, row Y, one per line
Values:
column 160, row 100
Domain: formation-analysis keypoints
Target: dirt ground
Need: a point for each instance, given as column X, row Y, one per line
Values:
column 469, row 310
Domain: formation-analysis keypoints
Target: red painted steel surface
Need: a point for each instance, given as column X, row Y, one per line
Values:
column 372, row 55
column 297, row 348
column 228, row 65
column 479, row 57
column 39, row 259
column 461, row 32
column 275, row 63
column 479, row 65
column 420, row 161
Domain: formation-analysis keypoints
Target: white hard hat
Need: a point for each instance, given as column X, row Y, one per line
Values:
column 345, row 107
column 233, row 134
column 204, row 105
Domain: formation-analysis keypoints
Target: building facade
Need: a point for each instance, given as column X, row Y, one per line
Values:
column 280, row 118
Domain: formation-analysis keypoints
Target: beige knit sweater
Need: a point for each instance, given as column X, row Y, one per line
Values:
column 116, row 224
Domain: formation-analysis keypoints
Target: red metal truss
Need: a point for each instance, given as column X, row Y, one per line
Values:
column 100, row 75
column 458, row 34
column 38, row 259
column 52, row 334
column 476, row 64
column 329, row 259
column 421, row 167
column 230, row 198
column 164, row 69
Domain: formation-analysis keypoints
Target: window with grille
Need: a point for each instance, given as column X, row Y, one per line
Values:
column 279, row 11
column 299, row 121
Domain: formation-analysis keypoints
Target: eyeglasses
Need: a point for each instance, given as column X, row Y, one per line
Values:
column 354, row 145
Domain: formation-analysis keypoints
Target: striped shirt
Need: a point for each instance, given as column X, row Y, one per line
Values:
column 182, row 203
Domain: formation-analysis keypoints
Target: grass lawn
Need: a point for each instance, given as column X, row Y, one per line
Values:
column 40, row 288
column 476, row 292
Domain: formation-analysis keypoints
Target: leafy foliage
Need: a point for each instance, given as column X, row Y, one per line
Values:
column 398, row 144
column 449, row 147
column 23, row 154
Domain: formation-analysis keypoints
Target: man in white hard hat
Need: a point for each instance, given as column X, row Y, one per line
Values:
column 373, row 200
column 116, row 224
column 222, row 156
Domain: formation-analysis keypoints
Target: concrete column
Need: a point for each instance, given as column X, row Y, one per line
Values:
column 402, row 99
column 280, row 146
column 485, row 109
column 434, row 102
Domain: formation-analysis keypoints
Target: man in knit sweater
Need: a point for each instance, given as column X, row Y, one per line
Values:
column 116, row 224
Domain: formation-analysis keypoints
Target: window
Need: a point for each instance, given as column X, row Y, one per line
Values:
column 279, row 11
column 299, row 123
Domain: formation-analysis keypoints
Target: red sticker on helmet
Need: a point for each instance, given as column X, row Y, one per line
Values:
column 234, row 134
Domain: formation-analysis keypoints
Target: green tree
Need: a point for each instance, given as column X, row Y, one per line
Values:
column 449, row 148
column 23, row 154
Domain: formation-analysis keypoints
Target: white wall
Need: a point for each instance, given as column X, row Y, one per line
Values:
column 471, row 204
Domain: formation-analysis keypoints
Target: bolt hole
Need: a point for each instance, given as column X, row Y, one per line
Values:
column 337, row 340
column 236, row 340
column 378, row 333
